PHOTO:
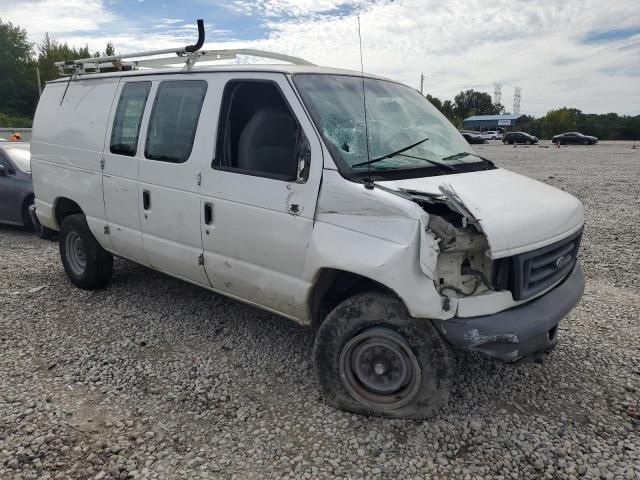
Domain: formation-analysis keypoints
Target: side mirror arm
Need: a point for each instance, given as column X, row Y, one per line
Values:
column 303, row 159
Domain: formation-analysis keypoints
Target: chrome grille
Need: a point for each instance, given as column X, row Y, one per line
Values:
column 532, row 272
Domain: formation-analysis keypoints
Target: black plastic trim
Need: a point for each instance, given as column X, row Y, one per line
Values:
column 521, row 331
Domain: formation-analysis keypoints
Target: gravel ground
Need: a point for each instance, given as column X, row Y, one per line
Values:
column 155, row 378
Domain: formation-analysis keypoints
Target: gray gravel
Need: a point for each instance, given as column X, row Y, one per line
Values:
column 155, row 378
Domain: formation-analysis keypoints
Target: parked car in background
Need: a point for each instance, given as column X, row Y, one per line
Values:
column 473, row 137
column 511, row 138
column 574, row 138
column 16, row 190
column 491, row 135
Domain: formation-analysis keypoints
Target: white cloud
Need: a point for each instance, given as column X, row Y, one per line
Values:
column 458, row 44
column 273, row 8
column 462, row 44
column 59, row 16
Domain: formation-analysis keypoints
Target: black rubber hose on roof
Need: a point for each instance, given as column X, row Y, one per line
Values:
column 198, row 45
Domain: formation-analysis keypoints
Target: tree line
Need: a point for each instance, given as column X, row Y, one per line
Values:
column 20, row 60
column 606, row 126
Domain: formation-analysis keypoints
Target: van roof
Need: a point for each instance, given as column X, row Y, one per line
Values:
column 271, row 68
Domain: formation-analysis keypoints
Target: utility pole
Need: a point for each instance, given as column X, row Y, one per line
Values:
column 39, row 84
column 422, row 83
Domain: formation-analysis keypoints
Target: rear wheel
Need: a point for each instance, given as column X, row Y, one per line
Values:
column 373, row 358
column 87, row 264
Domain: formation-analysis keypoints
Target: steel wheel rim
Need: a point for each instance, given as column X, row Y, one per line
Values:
column 75, row 253
column 378, row 368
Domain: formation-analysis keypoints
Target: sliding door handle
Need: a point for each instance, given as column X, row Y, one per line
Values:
column 208, row 213
column 146, row 199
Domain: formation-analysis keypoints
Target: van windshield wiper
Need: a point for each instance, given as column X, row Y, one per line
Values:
column 456, row 156
column 389, row 155
column 432, row 162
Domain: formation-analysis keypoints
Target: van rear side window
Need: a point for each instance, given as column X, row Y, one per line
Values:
column 126, row 124
column 174, row 120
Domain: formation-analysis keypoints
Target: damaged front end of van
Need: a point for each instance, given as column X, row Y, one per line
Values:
column 490, row 256
column 506, row 296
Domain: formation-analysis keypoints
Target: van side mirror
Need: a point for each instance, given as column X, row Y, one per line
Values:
column 303, row 159
column 3, row 171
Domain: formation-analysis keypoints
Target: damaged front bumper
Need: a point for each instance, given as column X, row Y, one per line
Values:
column 521, row 331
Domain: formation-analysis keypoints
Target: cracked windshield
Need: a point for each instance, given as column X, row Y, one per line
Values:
column 397, row 117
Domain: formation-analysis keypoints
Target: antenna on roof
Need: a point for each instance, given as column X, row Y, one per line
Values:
column 367, row 183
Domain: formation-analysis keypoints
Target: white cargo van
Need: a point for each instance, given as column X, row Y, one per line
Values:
column 389, row 236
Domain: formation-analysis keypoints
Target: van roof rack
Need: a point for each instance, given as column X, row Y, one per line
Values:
column 188, row 56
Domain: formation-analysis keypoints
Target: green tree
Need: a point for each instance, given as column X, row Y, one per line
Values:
column 558, row 121
column 471, row 102
column 109, row 50
column 435, row 101
column 51, row 51
column 18, row 85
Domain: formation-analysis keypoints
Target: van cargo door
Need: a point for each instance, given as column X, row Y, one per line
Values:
column 169, row 186
column 120, row 169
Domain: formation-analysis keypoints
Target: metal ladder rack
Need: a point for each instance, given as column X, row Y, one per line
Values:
column 188, row 56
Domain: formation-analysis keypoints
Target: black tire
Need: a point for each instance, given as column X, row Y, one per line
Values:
column 385, row 317
column 87, row 264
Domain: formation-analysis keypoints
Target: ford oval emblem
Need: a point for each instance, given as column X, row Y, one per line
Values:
column 562, row 261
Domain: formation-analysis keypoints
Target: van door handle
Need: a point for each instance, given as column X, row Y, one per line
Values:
column 208, row 213
column 146, row 199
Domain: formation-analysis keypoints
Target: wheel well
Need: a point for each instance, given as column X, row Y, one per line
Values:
column 64, row 208
column 334, row 286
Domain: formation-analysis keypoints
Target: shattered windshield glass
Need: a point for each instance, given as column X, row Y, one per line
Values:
column 397, row 117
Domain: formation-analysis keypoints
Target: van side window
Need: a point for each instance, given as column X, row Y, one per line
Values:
column 258, row 134
column 126, row 124
column 174, row 120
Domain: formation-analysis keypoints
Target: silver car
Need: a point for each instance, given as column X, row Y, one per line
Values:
column 16, row 190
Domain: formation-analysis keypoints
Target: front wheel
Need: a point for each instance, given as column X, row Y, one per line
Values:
column 373, row 358
column 87, row 264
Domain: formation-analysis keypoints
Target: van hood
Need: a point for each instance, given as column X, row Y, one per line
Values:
column 517, row 214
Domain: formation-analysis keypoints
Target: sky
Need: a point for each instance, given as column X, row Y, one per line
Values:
column 575, row 53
